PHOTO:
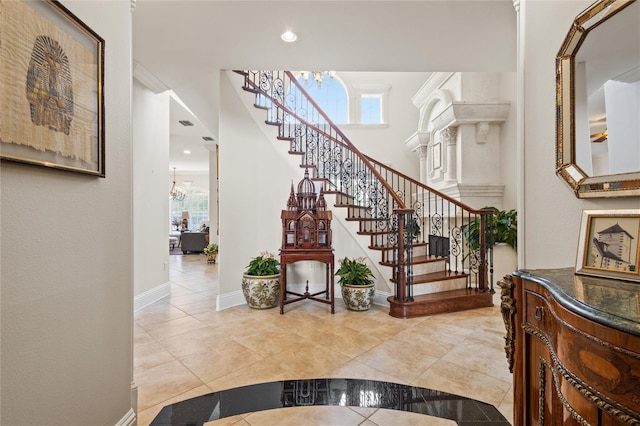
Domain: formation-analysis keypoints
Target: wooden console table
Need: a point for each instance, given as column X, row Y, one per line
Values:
column 288, row 257
column 573, row 345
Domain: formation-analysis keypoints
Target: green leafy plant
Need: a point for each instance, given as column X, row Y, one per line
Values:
column 265, row 264
column 503, row 227
column 354, row 272
column 211, row 249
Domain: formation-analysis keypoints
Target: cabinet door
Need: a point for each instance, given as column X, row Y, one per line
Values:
column 541, row 392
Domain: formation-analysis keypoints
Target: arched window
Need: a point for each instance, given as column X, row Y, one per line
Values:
column 330, row 95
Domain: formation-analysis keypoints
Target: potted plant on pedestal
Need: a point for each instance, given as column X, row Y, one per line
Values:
column 357, row 283
column 261, row 282
column 212, row 252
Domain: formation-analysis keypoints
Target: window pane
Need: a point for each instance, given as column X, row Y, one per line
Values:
column 371, row 108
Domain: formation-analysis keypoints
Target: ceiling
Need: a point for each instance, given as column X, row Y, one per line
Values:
column 182, row 45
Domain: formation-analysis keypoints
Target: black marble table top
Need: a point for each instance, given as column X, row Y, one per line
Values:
column 611, row 302
column 329, row 392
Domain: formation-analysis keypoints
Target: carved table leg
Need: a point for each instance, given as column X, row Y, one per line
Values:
column 508, row 310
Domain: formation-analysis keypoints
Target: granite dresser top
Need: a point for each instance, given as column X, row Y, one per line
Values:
column 611, row 302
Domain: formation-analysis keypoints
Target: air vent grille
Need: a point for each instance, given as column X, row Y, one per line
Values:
column 186, row 123
column 208, row 138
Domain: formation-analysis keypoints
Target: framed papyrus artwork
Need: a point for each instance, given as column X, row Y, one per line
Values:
column 51, row 88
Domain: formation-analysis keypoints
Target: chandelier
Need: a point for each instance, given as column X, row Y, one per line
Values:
column 176, row 192
column 317, row 76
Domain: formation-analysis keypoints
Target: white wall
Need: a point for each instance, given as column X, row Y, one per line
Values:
column 254, row 188
column 66, row 256
column 508, row 144
column 150, row 194
column 552, row 212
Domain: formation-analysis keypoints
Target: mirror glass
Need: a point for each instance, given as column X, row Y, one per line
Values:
column 598, row 101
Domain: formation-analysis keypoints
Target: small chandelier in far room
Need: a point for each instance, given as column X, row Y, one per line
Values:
column 176, row 192
column 317, row 76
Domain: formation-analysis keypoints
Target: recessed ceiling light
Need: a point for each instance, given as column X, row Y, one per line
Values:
column 289, row 36
column 186, row 151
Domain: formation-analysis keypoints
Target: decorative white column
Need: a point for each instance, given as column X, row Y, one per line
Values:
column 418, row 143
column 449, row 137
column 422, row 151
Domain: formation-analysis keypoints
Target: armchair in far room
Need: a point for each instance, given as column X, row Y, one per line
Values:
column 193, row 241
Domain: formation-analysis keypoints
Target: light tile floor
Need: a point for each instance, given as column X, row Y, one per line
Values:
column 183, row 348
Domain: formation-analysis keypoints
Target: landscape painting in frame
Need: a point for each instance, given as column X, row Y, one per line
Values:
column 51, row 88
column 609, row 244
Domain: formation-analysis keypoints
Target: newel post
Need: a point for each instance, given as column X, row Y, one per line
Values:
column 482, row 267
column 402, row 254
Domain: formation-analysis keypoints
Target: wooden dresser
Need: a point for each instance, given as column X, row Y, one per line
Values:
column 573, row 345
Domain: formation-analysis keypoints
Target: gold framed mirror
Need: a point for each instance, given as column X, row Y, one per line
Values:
column 598, row 101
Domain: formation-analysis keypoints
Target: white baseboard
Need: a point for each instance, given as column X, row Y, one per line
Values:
column 229, row 300
column 129, row 419
column 380, row 298
column 236, row 298
column 151, row 296
column 134, row 397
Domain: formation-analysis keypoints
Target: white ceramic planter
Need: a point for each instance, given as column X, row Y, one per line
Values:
column 261, row 292
column 358, row 297
column 505, row 261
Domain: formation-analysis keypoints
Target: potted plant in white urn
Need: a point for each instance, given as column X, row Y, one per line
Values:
column 357, row 283
column 261, row 282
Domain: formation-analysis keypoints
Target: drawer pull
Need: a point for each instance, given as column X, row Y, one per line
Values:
column 539, row 313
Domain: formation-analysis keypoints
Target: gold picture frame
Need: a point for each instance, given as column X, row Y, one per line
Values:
column 609, row 244
column 51, row 88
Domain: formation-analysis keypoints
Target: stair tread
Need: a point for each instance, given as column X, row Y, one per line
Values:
column 420, row 260
column 374, row 233
column 436, row 276
column 392, row 247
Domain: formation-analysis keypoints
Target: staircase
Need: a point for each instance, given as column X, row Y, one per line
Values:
column 437, row 263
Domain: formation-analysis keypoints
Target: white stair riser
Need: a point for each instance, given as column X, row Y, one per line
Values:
column 438, row 286
column 427, row 268
column 417, row 251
